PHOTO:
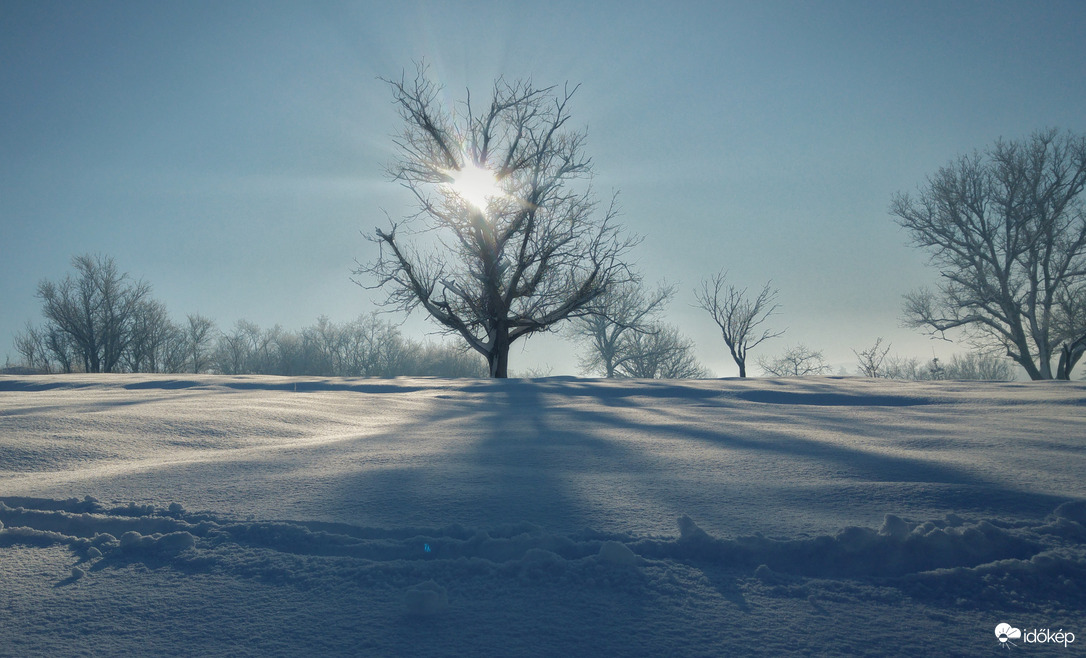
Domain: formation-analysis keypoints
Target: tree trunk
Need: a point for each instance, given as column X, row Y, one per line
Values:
column 1069, row 356
column 498, row 359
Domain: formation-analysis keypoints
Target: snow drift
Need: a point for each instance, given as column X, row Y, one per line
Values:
column 537, row 517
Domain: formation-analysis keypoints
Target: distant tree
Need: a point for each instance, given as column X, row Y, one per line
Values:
column 444, row 360
column 901, row 367
column 199, row 334
column 521, row 247
column 872, row 358
column 150, row 330
column 659, row 352
column 31, row 346
column 798, row 361
column 1007, row 228
column 979, row 366
column 376, row 348
column 738, row 316
column 233, row 351
column 94, row 311
column 620, row 314
column 972, row 366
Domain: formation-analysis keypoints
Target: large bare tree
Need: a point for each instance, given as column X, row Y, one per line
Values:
column 1007, row 229
column 93, row 312
column 739, row 316
column 519, row 242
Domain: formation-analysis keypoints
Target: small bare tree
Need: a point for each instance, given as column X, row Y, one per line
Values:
column 617, row 316
column 521, row 246
column 798, row 361
column 1007, row 229
column 872, row 358
column 738, row 316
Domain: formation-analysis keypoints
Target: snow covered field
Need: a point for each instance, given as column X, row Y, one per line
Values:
column 202, row 515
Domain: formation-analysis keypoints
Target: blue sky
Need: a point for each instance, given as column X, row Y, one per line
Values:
column 231, row 153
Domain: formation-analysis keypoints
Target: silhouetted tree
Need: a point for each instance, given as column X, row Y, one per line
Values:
column 94, row 311
column 1007, row 229
column 521, row 246
column 738, row 316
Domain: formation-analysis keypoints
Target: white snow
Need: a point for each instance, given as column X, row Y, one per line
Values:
column 203, row 515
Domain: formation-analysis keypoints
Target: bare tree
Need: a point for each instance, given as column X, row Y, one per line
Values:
column 872, row 358
column 798, row 361
column 659, row 352
column 234, row 351
column 150, row 329
column 199, row 335
column 520, row 244
column 32, row 346
column 1007, row 229
column 738, row 316
column 95, row 310
column 625, row 310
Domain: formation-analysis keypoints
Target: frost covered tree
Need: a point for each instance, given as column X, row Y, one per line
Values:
column 738, row 315
column 1007, row 229
column 518, row 239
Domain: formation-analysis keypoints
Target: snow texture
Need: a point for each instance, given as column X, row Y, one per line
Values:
column 240, row 516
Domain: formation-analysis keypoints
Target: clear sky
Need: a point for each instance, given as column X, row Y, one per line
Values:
column 230, row 153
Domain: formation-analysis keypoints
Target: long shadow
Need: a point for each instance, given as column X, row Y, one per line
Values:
column 964, row 488
column 298, row 385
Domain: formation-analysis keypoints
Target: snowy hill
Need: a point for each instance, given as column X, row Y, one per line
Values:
column 203, row 515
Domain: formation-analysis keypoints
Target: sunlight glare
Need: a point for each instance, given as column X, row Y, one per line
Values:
column 474, row 184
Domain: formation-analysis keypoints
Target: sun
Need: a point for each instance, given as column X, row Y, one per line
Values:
column 474, row 184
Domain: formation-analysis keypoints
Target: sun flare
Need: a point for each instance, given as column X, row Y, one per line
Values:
column 474, row 184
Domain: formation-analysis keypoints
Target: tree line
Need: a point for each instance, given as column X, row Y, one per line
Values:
column 101, row 320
